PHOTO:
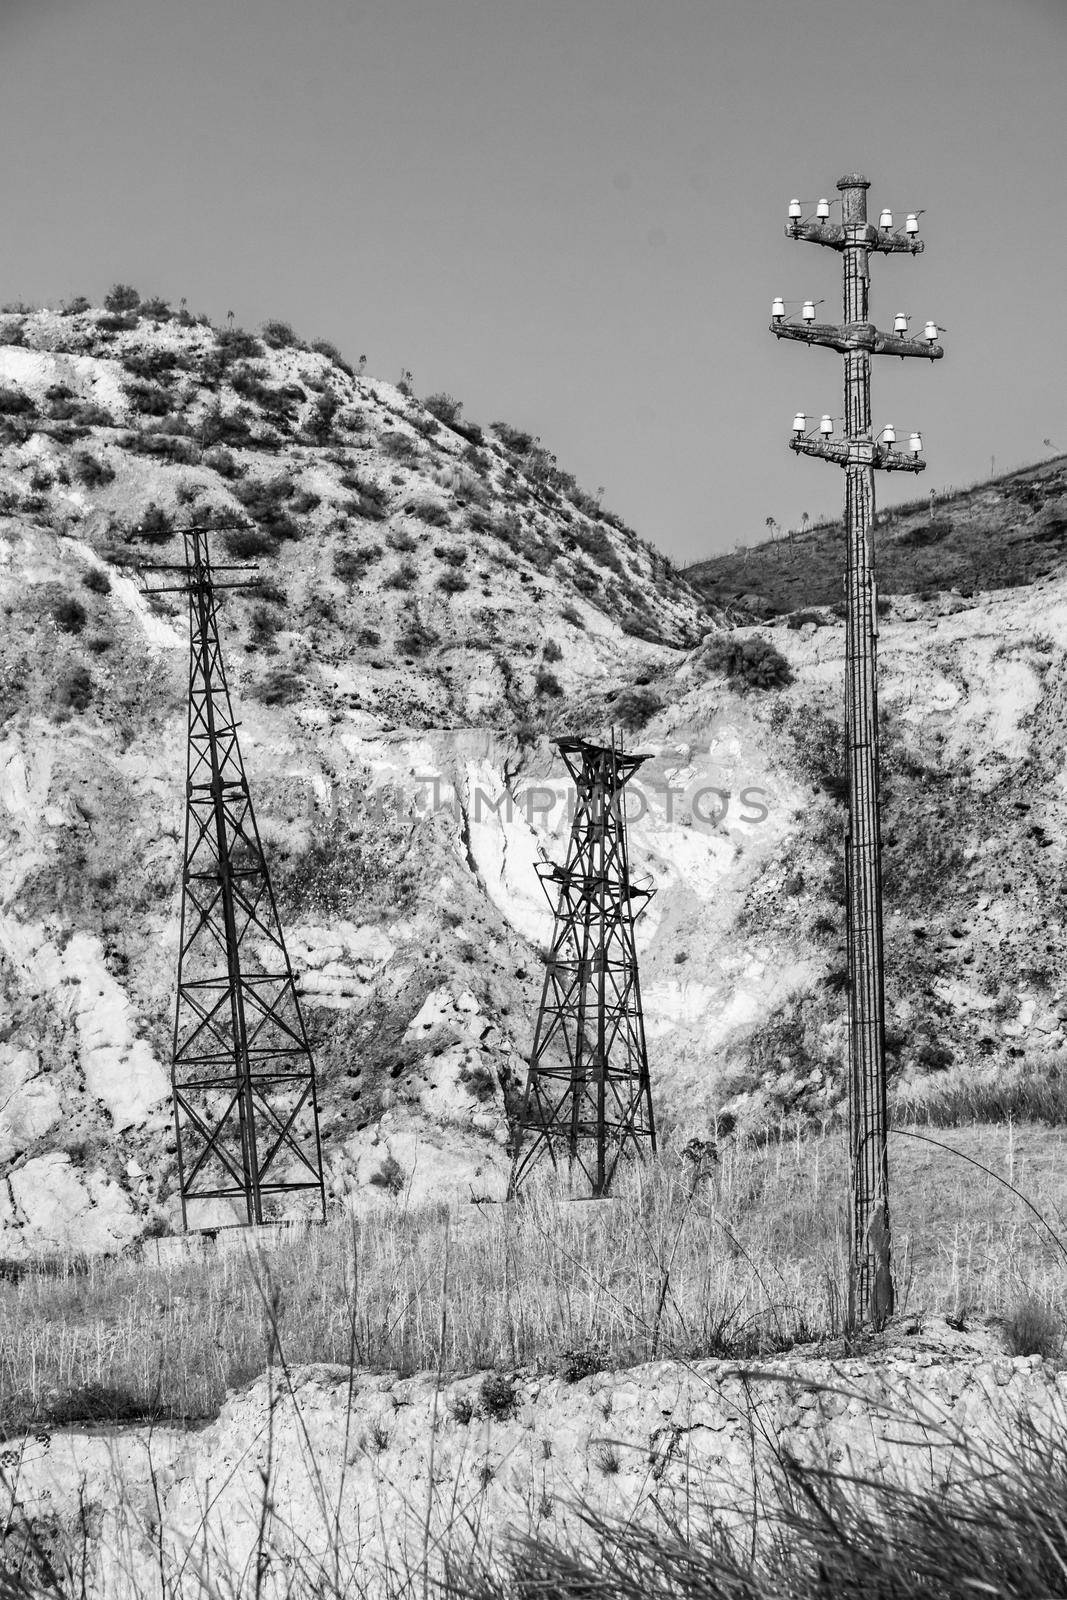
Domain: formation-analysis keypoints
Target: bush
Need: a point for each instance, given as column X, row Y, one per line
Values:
column 280, row 687
column 452, row 582
column 222, row 462
column 155, row 526
column 635, row 706
column 403, row 578
column 248, row 543
column 753, row 663
column 75, row 307
column 497, row 1396
column 323, row 347
column 552, row 652
column 91, row 471
column 514, row 439
column 279, row 335
column 69, row 614
column 444, row 408
column 75, row 689
column 263, row 624
column 150, row 399
column 225, row 427
column 237, row 345
column 14, row 403
column 547, row 683
column 400, row 446
column 389, row 1176
column 351, row 565
column 428, row 511
column 94, row 416
column 97, row 581
column 157, row 309
column 122, row 297
column 572, row 615
column 415, row 639
column 319, row 424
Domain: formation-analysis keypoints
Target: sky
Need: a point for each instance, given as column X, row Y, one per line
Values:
column 569, row 213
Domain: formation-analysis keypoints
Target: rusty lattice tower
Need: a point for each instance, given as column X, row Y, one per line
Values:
column 587, row 1091
column 859, row 453
column 245, row 1108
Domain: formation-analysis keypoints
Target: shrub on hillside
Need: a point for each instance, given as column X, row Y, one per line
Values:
column 157, row 309
column 236, row 344
column 97, row 581
column 281, row 687
column 818, row 745
column 350, row 565
column 403, row 578
column 547, row 683
column 428, row 511
column 552, row 652
column 452, row 582
column 122, row 297
column 279, row 335
column 75, row 306
column 75, row 689
column 263, row 623
column 323, row 347
column 224, row 463
column 249, row 543
column 318, row 425
column 515, row 439
column 752, row 663
column 635, row 706
column 68, row 613
column 14, row 403
column 156, row 525
column 95, row 416
column 444, row 407
column 225, row 427
column 415, row 638
column 399, row 446
column 637, row 626
column 572, row 615
column 151, row 399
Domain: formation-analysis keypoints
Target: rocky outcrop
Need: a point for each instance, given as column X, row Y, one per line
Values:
column 356, row 1472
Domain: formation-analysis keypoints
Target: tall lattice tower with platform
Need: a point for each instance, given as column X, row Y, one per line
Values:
column 245, row 1106
column 588, row 1098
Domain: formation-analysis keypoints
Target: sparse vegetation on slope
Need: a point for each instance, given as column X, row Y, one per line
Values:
column 996, row 535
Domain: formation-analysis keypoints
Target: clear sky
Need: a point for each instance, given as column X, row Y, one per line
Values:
column 569, row 213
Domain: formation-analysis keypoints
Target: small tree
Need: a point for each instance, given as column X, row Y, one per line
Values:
column 122, row 297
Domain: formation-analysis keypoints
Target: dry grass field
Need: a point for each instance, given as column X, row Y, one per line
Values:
column 744, row 1256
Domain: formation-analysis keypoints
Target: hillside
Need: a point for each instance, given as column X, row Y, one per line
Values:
column 996, row 535
column 438, row 601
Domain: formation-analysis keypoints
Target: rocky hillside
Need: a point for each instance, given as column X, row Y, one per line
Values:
column 438, row 600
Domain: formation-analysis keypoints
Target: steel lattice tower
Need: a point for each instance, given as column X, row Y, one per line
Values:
column 588, row 1087
column 870, row 1275
column 245, row 1106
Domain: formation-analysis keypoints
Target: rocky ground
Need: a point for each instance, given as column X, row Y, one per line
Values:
column 320, row 1469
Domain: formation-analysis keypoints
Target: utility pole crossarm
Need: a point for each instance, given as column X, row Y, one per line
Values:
column 843, row 337
column 835, row 237
column 844, row 454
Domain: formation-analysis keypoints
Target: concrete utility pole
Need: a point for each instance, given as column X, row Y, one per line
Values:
column 870, row 1278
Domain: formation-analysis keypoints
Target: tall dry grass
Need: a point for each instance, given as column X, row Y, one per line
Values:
column 747, row 1258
